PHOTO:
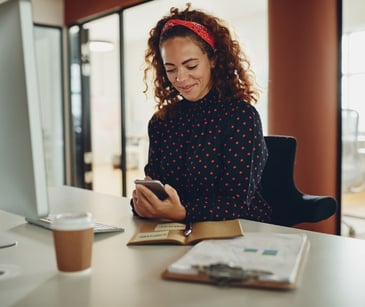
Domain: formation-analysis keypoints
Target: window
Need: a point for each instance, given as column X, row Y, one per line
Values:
column 353, row 74
column 49, row 65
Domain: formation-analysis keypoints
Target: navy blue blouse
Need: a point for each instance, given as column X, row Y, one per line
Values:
column 213, row 153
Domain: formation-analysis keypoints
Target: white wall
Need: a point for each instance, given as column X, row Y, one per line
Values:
column 353, row 15
column 49, row 12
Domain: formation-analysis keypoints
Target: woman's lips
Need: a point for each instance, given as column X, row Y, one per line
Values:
column 186, row 89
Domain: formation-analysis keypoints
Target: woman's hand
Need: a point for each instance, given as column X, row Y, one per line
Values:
column 148, row 205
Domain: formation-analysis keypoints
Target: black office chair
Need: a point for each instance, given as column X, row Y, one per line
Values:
column 290, row 206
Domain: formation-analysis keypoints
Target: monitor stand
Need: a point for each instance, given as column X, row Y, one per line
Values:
column 6, row 241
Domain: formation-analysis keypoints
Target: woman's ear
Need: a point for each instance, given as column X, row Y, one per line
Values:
column 212, row 62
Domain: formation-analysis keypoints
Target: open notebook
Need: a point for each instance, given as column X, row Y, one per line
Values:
column 99, row 227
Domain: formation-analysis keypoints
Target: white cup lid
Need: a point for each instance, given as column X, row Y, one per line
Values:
column 73, row 221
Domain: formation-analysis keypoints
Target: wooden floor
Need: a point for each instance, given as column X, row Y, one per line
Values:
column 108, row 180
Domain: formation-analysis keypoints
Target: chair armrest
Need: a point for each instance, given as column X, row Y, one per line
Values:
column 307, row 209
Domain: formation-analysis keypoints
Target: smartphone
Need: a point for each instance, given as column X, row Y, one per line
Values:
column 155, row 186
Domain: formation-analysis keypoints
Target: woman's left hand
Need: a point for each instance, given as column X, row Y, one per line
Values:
column 148, row 205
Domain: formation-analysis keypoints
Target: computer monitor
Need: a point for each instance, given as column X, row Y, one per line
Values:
column 23, row 183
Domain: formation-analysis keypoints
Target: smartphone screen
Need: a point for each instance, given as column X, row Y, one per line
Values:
column 155, row 186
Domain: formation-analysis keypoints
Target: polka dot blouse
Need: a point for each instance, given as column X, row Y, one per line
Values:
column 213, row 153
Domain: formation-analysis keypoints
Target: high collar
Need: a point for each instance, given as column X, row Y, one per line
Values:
column 210, row 96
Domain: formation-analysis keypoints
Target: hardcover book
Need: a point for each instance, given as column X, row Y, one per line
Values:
column 173, row 233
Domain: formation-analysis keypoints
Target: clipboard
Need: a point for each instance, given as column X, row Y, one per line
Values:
column 261, row 260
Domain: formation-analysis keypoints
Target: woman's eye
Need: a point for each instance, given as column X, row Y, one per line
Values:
column 192, row 67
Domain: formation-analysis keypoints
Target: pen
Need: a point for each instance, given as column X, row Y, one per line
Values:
column 188, row 229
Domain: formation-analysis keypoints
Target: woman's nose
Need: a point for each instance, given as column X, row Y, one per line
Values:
column 181, row 75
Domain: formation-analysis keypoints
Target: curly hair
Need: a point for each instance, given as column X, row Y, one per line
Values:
column 232, row 75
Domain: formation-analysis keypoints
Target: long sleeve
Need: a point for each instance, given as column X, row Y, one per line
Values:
column 213, row 154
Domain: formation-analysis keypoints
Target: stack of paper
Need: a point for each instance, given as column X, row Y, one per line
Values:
column 280, row 254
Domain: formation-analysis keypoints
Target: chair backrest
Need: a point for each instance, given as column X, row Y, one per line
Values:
column 278, row 176
column 290, row 206
column 352, row 173
column 350, row 130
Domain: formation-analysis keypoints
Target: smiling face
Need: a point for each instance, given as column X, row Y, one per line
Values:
column 187, row 67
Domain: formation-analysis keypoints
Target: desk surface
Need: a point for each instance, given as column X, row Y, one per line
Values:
column 333, row 275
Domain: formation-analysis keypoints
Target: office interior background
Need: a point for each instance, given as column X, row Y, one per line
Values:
column 95, row 130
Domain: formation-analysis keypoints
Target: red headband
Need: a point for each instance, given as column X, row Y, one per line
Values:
column 197, row 28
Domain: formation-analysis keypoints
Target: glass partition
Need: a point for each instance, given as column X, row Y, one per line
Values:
column 353, row 119
column 48, row 45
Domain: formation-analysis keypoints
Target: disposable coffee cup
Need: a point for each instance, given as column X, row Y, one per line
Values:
column 73, row 236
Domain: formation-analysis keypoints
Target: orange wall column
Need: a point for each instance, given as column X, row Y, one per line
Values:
column 303, row 91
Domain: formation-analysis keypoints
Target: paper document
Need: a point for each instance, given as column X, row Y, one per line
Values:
column 280, row 254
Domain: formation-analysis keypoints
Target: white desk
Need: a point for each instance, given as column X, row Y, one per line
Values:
column 334, row 272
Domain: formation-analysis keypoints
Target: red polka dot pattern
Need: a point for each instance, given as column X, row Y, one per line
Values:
column 213, row 153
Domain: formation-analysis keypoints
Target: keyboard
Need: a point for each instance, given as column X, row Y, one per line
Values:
column 99, row 227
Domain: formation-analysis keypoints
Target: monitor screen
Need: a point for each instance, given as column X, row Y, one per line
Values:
column 23, row 184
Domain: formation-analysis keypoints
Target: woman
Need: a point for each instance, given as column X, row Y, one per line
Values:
column 206, row 139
